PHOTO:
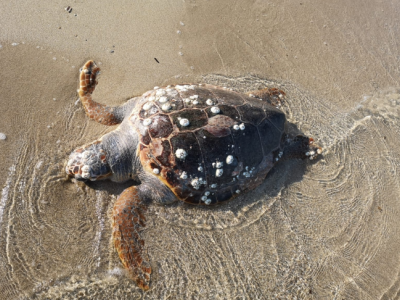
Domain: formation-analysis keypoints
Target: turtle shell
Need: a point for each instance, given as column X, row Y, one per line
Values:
column 206, row 143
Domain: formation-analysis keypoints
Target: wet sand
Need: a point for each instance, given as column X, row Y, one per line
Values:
column 322, row 230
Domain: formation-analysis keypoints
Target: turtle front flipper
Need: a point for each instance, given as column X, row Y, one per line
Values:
column 103, row 114
column 128, row 222
column 273, row 96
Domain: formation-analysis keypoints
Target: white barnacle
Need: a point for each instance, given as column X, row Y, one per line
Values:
column 236, row 127
column 147, row 106
column 195, row 102
column 152, row 98
column 207, row 193
column 207, row 202
column 312, row 153
column 319, row 150
column 181, row 88
column 160, row 93
column 184, row 175
column 193, row 97
column 180, row 153
column 163, row 99
column 85, row 172
column 229, row 159
column 219, row 172
column 307, row 153
column 219, row 164
column 184, row 122
column 215, row 110
column 166, row 106
column 237, row 191
column 147, row 122
column 156, row 171
column 246, row 174
column 172, row 92
column 204, row 198
column 195, row 183
column 242, row 127
column 187, row 100
column 200, row 169
column 156, row 87
column 213, row 186
column 209, row 102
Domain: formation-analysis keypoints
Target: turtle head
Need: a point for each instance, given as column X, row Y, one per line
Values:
column 88, row 163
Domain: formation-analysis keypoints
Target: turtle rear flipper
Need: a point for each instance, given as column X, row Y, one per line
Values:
column 103, row 114
column 300, row 147
column 128, row 222
column 273, row 96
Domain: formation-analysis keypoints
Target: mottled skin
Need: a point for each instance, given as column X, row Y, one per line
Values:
column 201, row 144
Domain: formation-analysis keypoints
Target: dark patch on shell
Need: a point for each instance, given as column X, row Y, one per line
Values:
column 251, row 114
column 248, row 146
column 171, row 178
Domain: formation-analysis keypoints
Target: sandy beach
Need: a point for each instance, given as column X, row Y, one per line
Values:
column 322, row 230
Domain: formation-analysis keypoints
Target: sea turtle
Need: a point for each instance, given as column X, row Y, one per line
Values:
column 201, row 144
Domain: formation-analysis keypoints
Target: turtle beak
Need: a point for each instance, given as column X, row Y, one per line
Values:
column 88, row 163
